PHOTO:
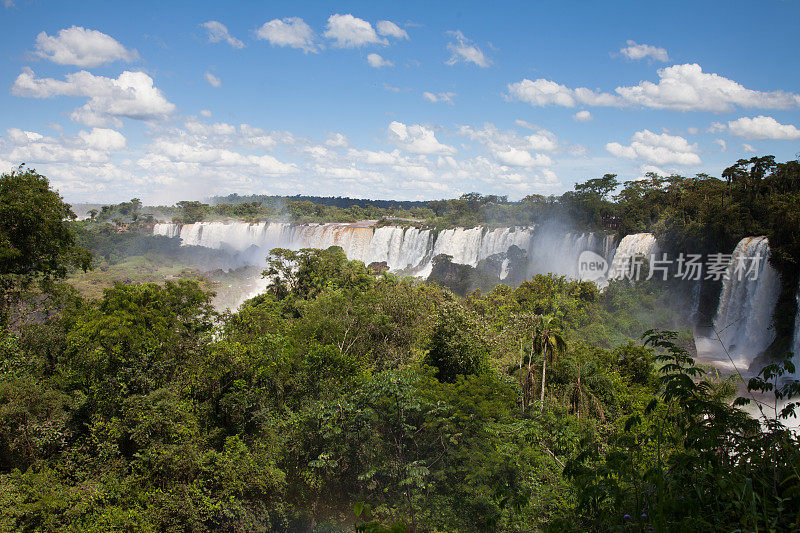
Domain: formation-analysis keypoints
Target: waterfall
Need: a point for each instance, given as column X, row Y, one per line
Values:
column 631, row 247
column 410, row 250
column 556, row 252
column 167, row 230
column 407, row 250
column 744, row 315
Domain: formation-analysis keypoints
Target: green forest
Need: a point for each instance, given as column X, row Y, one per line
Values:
column 341, row 399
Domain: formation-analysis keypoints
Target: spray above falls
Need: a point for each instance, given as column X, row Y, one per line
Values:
column 409, row 250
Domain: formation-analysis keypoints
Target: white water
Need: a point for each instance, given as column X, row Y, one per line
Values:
column 743, row 322
column 409, row 250
column 631, row 249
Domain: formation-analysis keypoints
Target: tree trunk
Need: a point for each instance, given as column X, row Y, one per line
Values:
column 544, row 376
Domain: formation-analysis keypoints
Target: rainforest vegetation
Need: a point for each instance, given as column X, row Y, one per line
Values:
column 342, row 399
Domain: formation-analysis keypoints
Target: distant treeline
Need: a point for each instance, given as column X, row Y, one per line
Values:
column 276, row 202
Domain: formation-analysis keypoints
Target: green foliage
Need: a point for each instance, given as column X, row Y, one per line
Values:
column 35, row 242
column 457, row 347
column 340, row 399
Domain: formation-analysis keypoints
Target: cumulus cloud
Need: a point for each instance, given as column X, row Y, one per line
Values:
column 212, row 80
column 337, row 140
column 376, row 61
column 351, row 32
column 680, row 88
column 641, row 51
column 723, row 146
column 522, row 158
column 582, row 116
column 659, row 149
column 218, row 32
column 81, row 47
column 762, row 127
column 417, row 139
column 688, row 88
column 542, row 92
column 131, row 95
column 748, row 148
column 86, row 148
column 388, row 28
column 463, row 51
column 205, row 113
column 445, row 98
column 103, row 139
column 541, row 140
column 292, row 32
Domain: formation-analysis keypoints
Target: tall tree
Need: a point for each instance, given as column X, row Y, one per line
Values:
column 35, row 243
column 549, row 342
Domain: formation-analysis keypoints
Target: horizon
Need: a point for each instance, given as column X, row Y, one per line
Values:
column 412, row 102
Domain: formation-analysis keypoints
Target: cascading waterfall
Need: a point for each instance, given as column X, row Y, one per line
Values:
column 407, row 250
column 743, row 320
column 559, row 252
column 403, row 249
column 636, row 245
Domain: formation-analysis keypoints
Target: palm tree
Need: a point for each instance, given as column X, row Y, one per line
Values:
column 526, row 322
column 547, row 341
column 585, row 381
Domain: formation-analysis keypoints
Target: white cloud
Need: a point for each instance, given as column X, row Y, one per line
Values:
column 18, row 136
column 762, row 127
column 218, row 32
column 205, row 113
column 688, row 88
column 748, row 148
column 445, row 98
column 659, row 149
column 131, row 95
column 417, row 139
column 544, row 92
column 81, row 47
column 103, row 139
column 582, row 116
column 337, row 140
column 375, row 158
column 87, row 148
column 462, row 50
column 498, row 141
column 522, row 158
column 680, row 88
column 196, row 127
column 376, row 61
column 292, row 32
column 723, row 146
column 351, row 32
column 691, row 130
column 716, row 127
column 640, row 51
column 646, row 169
column 212, row 80
column 390, row 29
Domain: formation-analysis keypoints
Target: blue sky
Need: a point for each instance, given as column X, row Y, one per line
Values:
column 414, row 100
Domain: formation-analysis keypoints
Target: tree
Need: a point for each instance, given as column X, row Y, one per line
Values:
column 456, row 348
column 599, row 186
column 548, row 341
column 35, row 242
column 581, row 393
